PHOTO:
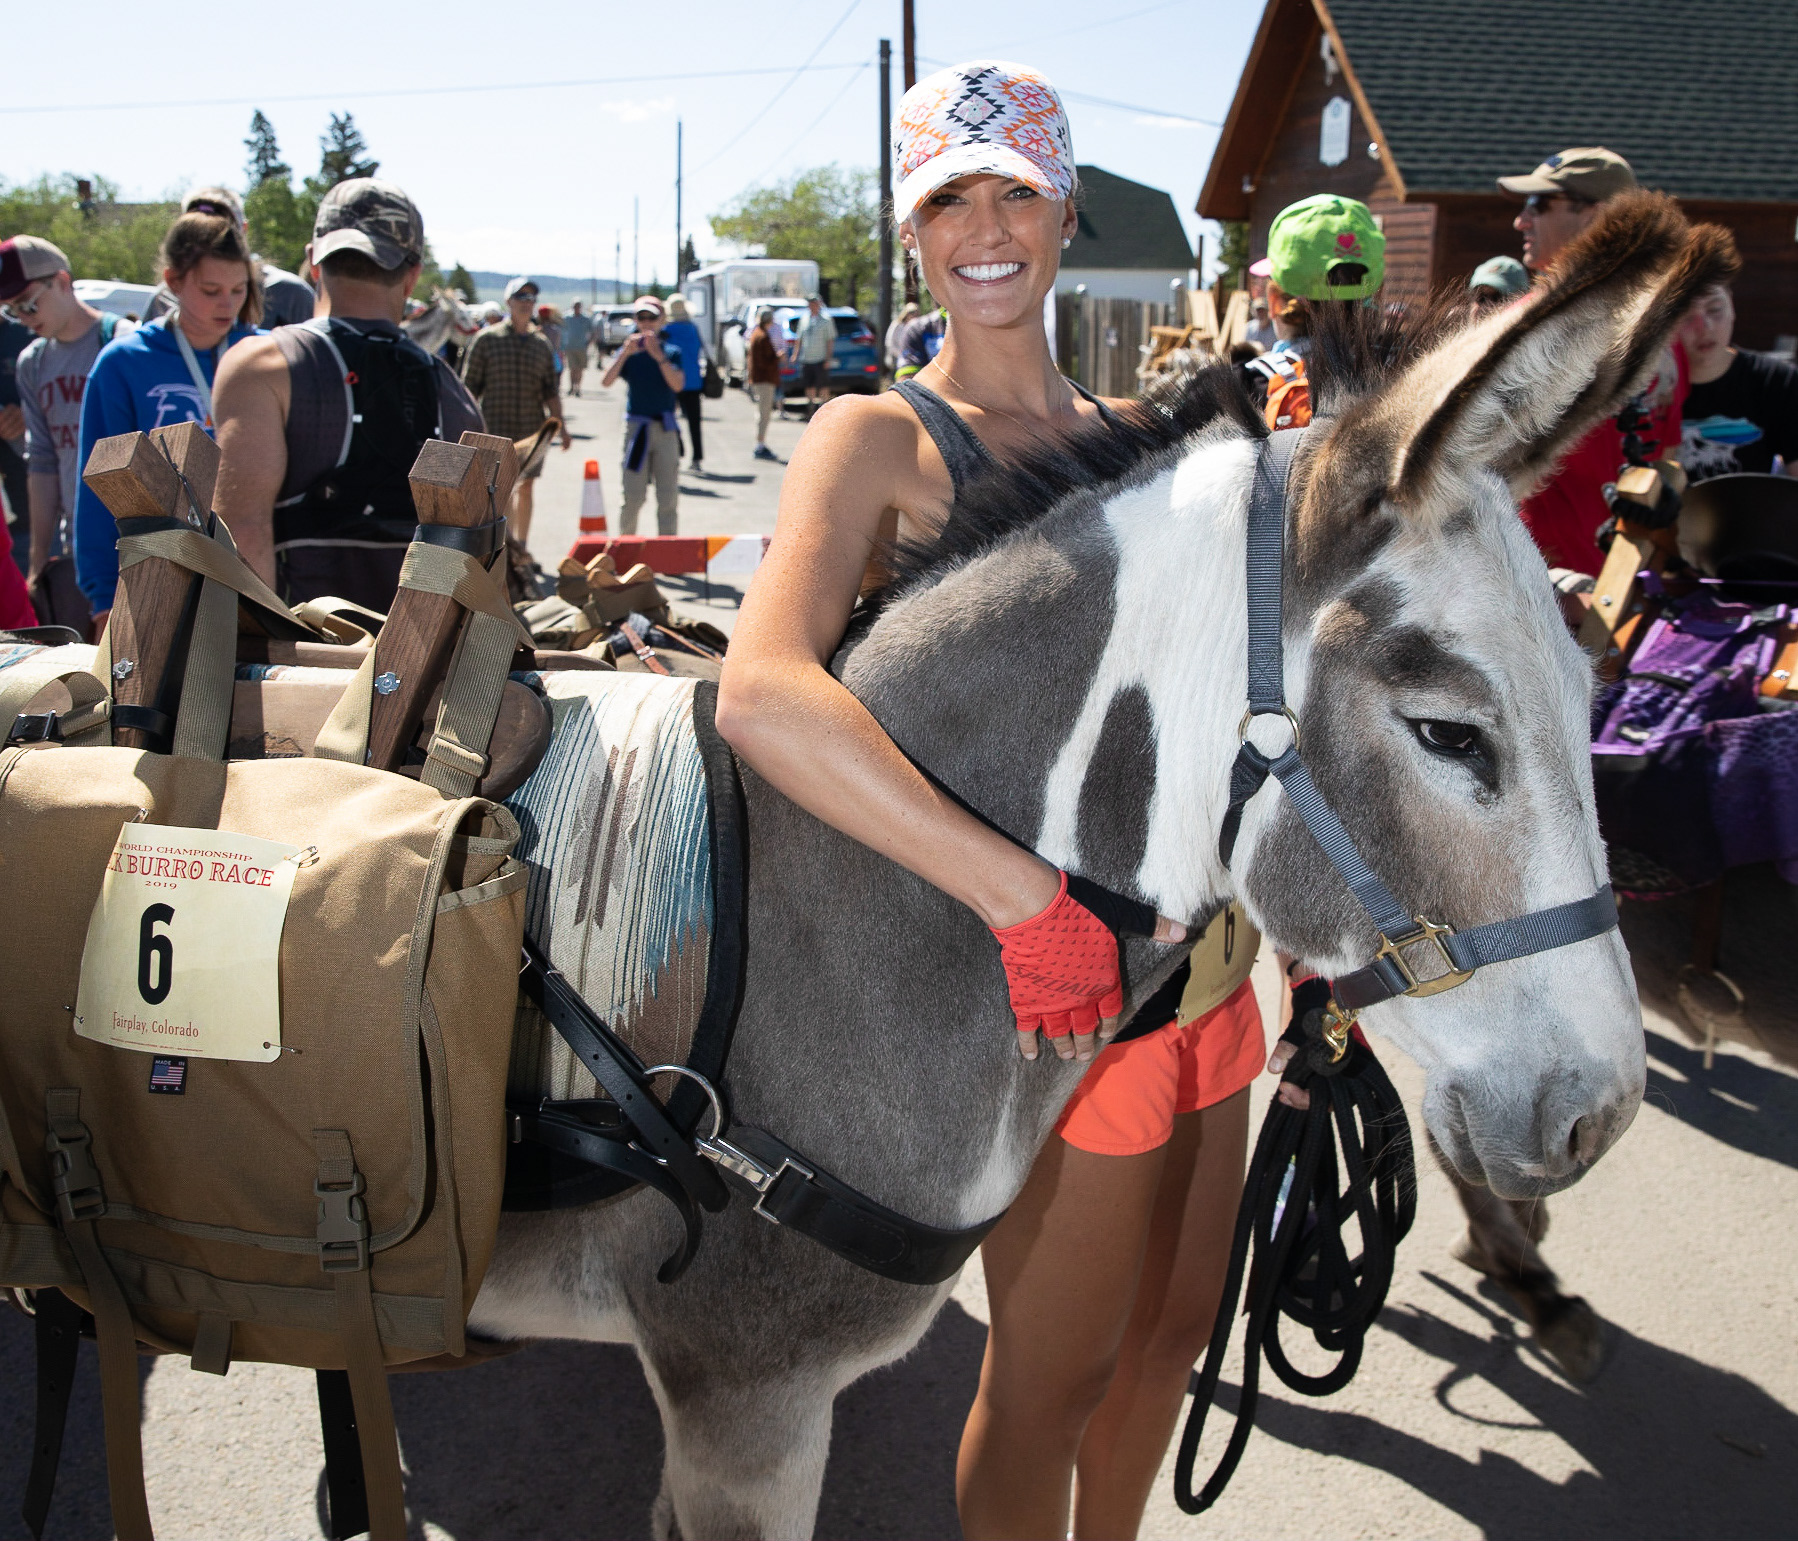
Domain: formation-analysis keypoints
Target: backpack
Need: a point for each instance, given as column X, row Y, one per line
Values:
column 331, row 1200
column 1288, row 391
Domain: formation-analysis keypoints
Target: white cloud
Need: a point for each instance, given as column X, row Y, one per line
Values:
column 639, row 112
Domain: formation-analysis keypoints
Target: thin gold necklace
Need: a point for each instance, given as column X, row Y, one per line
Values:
column 968, row 397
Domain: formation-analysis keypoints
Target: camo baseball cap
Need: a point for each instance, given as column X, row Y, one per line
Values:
column 369, row 216
column 1591, row 173
column 1309, row 238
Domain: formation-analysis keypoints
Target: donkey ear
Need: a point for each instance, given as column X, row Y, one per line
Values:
column 1515, row 391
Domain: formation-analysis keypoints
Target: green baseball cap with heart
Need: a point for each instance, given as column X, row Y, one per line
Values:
column 1317, row 234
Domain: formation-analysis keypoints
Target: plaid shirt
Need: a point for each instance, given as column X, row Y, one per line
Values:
column 513, row 375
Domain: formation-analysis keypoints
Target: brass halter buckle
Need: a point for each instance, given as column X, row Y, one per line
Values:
column 1394, row 948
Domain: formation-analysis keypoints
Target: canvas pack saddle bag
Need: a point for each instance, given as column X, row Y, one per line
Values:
column 253, row 1045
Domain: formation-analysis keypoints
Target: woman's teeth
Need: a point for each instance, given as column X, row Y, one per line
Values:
column 986, row 272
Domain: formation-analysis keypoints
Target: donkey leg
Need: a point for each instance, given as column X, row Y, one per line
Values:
column 1500, row 1243
column 744, row 1460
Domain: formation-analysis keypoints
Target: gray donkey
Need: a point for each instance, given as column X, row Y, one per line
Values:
column 1069, row 659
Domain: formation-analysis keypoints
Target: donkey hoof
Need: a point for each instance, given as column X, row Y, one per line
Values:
column 1571, row 1333
column 1468, row 1252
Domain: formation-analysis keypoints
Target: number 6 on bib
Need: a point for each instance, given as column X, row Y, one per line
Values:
column 183, row 950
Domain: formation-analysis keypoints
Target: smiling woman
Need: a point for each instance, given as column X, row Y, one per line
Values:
column 1104, row 1276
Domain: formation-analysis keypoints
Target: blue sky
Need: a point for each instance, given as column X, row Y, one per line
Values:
column 539, row 175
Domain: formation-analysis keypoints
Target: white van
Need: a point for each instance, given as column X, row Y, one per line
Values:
column 717, row 293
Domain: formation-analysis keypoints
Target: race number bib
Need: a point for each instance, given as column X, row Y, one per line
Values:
column 183, row 952
column 1221, row 959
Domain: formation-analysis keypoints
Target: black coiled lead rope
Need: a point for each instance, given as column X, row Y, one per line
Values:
column 1294, row 1209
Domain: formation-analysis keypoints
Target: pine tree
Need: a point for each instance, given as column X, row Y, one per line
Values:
column 689, row 259
column 344, row 155
column 460, row 279
column 265, row 155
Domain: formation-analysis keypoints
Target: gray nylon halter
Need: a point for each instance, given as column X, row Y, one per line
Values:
column 1389, row 974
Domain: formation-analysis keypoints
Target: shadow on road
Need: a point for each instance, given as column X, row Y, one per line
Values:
column 1663, row 1439
column 1739, row 1101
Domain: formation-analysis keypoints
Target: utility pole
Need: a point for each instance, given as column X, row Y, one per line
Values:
column 678, row 275
column 617, row 261
column 636, row 246
column 908, row 42
column 885, row 311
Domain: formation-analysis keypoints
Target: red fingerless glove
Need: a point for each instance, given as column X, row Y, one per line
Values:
column 1062, row 968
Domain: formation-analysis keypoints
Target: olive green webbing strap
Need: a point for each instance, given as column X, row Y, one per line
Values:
column 75, row 1181
column 204, row 721
column 343, row 1254
column 457, row 756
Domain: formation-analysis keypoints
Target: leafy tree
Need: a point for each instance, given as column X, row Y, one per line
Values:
column 459, row 279
column 265, row 155
column 111, row 240
column 827, row 213
column 1233, row 254
column 344, row 155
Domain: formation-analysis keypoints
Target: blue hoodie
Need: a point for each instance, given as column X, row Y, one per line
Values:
column 138, row 382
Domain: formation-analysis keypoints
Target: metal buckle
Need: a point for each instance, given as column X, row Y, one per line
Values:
column 342, row 1226
column 1242, row 728
column 35, row 728
column 1427, row 931
column 1337, row 1020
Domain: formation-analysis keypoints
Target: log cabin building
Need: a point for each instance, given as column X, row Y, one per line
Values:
column 1416, row 107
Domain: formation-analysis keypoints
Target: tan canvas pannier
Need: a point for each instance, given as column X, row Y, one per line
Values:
column 275, row 1211
column 331, row 1199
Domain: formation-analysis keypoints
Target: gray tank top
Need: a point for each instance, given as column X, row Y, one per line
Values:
column 960, row 447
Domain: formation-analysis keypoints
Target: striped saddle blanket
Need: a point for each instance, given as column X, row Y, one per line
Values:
column 617, row 841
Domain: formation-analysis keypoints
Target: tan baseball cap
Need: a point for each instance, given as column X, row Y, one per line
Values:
column 25, row 259
column 1592, row 173
column 372, row 217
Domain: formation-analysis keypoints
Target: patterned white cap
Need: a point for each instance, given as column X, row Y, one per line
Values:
column 987, row 116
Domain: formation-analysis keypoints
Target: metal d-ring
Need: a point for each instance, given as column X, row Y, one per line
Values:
column 1242, row 728
column 704, row 1085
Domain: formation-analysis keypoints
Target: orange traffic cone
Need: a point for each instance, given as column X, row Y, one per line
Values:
column 593, row 502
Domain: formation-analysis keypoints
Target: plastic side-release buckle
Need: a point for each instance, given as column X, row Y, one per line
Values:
column 342, row 1225
column 74, row 1178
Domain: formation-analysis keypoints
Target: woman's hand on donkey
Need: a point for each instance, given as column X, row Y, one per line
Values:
column 1061, row 966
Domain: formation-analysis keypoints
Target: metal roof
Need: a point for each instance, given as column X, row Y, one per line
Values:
column 1700, row 96
column 1125, row 224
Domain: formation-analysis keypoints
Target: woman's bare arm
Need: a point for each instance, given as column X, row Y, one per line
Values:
column 796, row 724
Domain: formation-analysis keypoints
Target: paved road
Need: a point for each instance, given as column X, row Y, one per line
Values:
column 1682, row 1238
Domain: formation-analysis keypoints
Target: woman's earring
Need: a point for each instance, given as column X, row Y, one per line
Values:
column 1066, row 242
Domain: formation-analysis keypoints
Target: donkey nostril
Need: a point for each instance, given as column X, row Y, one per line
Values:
column 1584, row 1139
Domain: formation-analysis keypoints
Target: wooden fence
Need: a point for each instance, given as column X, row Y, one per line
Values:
column 1105, row 344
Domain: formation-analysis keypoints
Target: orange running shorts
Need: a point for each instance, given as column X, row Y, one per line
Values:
column 1127, row 1102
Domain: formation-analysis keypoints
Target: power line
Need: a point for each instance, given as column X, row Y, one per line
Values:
column 807, row 130
column 784, row 86
column 359, row 96
column 1106, row 101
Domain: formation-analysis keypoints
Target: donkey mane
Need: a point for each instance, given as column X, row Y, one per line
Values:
column 1355, row 349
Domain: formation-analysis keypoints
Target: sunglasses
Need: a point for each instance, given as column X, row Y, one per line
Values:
column 1541, row 203
column 18, row 310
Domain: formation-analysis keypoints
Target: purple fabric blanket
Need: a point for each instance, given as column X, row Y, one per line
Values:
column 1694, row 767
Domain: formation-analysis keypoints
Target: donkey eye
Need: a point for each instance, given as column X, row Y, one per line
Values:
column 1457, row 739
